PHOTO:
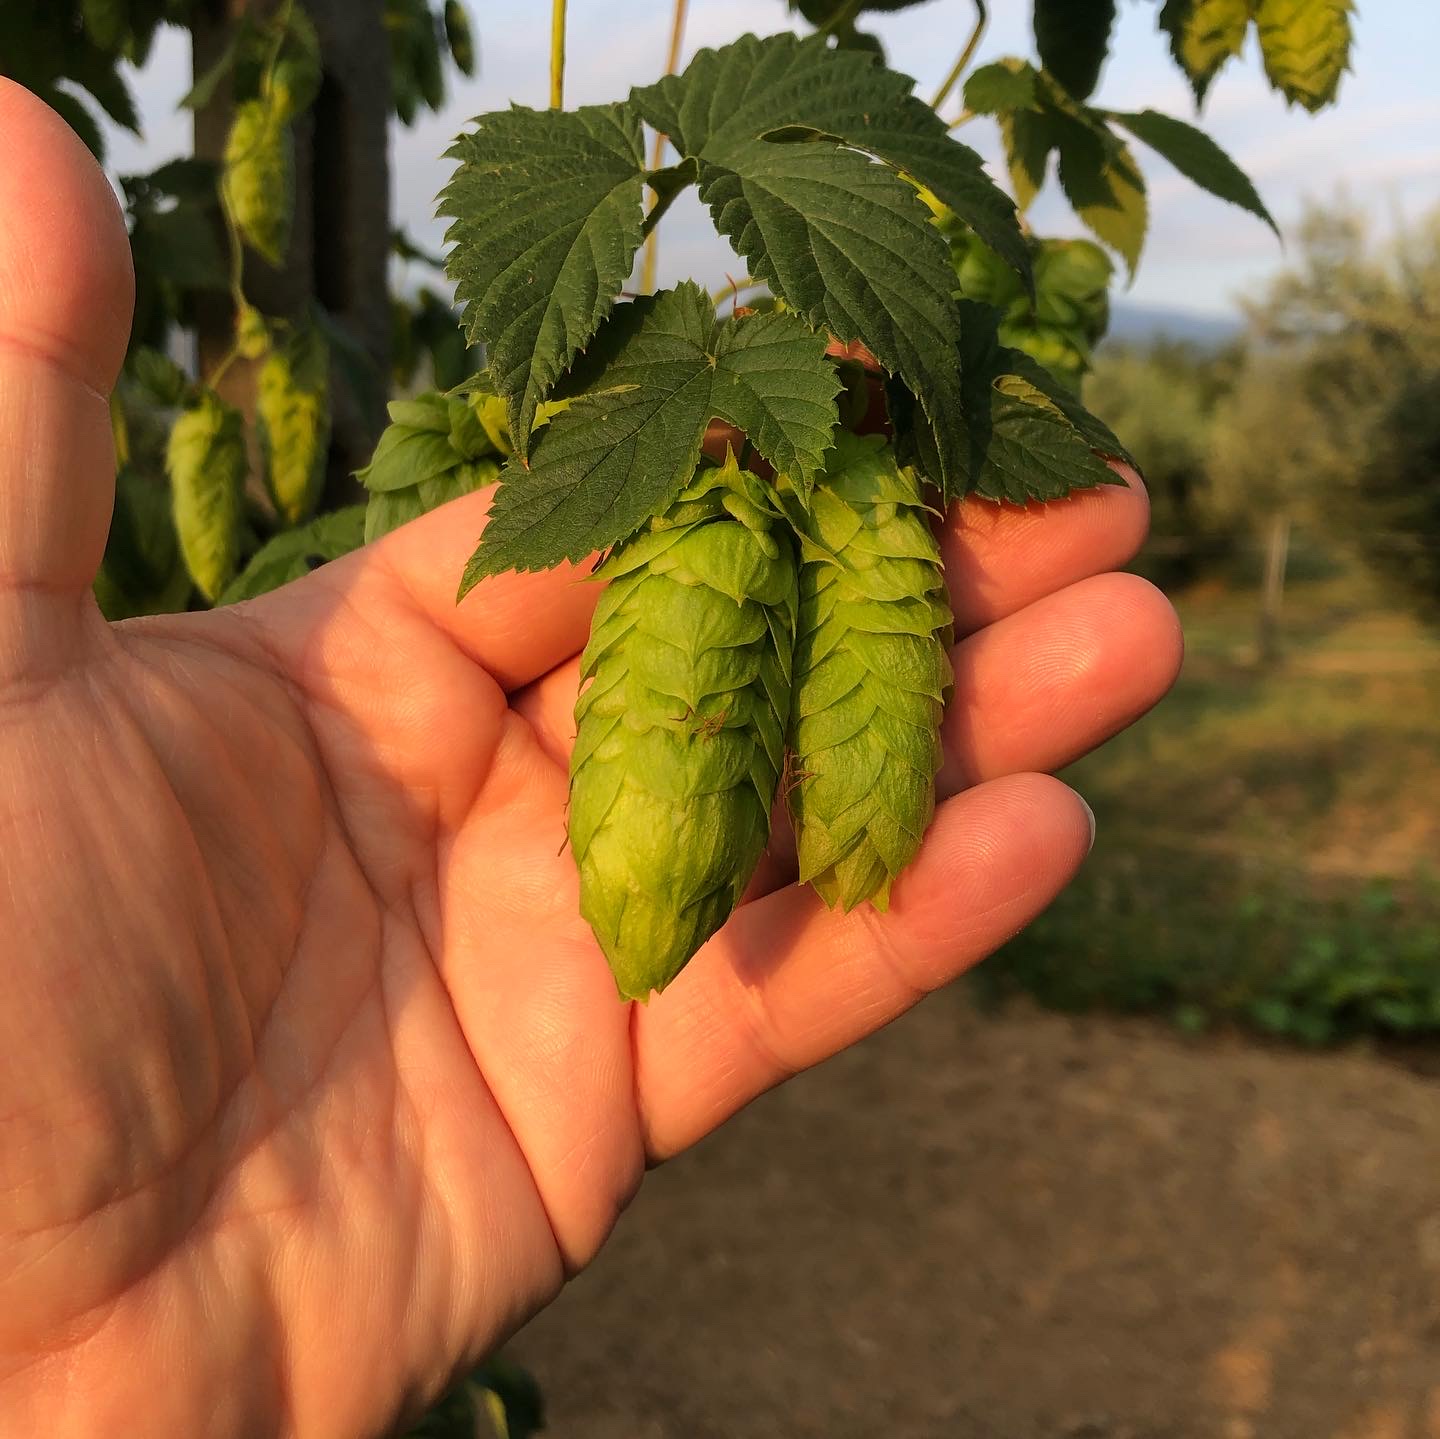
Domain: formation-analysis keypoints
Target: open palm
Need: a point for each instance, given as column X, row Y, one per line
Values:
column 313, row 1085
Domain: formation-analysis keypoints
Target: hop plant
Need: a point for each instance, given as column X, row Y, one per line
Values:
column 872, row 675
column 680, row 728
column 812, row 161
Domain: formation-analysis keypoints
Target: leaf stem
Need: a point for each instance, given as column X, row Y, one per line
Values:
column 841, row 18
column 965, row 56
column 662, row 203
column 672, row 61
column 557, row 54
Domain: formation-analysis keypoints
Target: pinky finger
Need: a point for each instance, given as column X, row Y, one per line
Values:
column 788, row 983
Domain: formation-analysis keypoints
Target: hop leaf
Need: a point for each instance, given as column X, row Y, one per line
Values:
column 680, row 729
column 1073, row 37
column 258, row 182
column 295, row 553
column 629, row 440
column 141, row 573
column 293, row 409
column 459, row 36
column 205, row 460
column 292, row 83
column 546, row 208
column 1306, row 47
column 872, row 672
column 436, row 448
column 1197, row 157
column 1204, row 35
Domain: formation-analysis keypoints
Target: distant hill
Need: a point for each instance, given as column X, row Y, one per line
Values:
column 1139, row 324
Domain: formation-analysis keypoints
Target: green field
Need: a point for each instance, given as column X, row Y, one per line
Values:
column 1268, row 838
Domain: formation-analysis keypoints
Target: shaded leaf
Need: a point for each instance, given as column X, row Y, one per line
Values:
column 295, row 553
column 1103, row 183
column 1024, row 440
column 1073, row 38
column 1197, row 157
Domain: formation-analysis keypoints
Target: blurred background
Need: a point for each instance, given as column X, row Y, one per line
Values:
column 1166, row 1167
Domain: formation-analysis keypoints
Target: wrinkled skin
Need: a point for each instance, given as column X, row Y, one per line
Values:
column 313, row 1083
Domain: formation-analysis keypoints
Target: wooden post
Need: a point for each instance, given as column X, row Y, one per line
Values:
column 340, row 244
column 1277, row 552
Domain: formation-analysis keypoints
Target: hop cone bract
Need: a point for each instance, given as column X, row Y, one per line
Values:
column 681, row 730
column 872, row 674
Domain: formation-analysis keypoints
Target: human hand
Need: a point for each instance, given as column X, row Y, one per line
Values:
column 313, row 1084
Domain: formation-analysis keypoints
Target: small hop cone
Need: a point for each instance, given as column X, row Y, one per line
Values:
column 872, row 674
column 293, row 410
column 205, row 460
column 258, row 180
column 681, row 729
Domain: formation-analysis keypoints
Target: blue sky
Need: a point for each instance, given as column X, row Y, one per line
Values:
column 1379, row 148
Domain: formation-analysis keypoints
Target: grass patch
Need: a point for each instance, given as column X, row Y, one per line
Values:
column 1266, row 838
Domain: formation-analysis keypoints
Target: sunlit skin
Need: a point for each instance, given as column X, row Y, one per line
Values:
column 313, row 1085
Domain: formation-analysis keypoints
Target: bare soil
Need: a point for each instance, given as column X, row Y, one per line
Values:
column 1026, row 1226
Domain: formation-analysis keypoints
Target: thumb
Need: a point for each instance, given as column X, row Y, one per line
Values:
column 66, row 293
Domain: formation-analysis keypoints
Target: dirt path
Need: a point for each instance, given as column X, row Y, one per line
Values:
column 1027, row 1227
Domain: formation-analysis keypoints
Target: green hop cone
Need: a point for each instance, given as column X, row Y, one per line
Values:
column 293, row 408
column 258, row 181
column 205, row 459
column 872, row 674
column 681, row 729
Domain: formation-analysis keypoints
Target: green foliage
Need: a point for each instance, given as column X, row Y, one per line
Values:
column 46, row 42
column 1273, row 960
column 297, row 552
column 872, row 672
column 419, row 38
column 436, row 448
column 630, row 438
column 206, row 464
column 1163, row 399
column 1335, row 423
column 681, row 730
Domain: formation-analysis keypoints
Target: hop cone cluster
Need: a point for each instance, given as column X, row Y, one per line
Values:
column 681, row 729
column 871, row 676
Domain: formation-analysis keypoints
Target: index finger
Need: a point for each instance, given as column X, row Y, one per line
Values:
column 999, row 558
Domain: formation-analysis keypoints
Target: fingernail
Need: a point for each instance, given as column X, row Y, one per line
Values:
column 1090, row 815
